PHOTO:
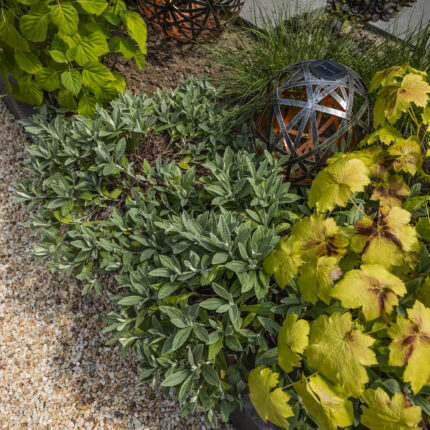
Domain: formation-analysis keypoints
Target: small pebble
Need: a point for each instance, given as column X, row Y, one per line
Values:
column 55, row 371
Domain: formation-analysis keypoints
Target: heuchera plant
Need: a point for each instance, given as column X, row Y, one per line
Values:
column 357, row 353
column 55, row 47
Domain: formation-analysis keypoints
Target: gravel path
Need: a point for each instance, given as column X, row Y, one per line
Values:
column 55, row 370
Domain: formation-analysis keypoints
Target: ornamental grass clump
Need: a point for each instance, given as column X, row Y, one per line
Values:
column 185, row 237
column 356, row 353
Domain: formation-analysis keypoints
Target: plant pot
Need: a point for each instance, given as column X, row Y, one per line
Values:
column 186, row 20
column 248, row 419
column 18, row 109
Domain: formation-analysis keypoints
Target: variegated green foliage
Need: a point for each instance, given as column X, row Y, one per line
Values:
column 55, row 47
column 357, row 350
column 185, row 240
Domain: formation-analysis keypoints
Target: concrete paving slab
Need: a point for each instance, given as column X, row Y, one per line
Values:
column 257, row 12
column 409, row 18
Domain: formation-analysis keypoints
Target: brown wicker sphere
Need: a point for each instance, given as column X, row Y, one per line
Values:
column 309, row 110
column 187, row 20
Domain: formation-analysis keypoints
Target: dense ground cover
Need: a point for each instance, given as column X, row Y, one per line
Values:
column 220, row 265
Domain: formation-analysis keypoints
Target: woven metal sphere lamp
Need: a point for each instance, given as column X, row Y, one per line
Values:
column 309, row 110
column 186, row 20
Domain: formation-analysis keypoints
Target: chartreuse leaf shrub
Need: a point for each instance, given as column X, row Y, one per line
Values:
column 357, row 352
column 55, row 48
column 185, row 239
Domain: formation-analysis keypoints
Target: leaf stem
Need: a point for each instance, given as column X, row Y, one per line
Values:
column 358, row 207
column 293, row 383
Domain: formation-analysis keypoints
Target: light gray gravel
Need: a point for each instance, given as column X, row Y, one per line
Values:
column 55, row 370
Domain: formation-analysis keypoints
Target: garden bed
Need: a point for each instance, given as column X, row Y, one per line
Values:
column 208, row 265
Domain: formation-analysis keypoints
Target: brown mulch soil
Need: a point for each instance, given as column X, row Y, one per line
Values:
column 167, row 63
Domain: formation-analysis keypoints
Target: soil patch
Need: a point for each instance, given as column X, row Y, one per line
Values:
column 168, row 62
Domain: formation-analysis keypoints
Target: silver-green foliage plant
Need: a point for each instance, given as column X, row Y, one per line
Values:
column 185, row 240
column 55, row 47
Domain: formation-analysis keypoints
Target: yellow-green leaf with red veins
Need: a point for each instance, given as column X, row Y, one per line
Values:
column 319, row 237
column 367, row 155
column 340, row 352
column 407, row 154
column 411, row 346
column 391, row 192
column 386, row 135
column 325, row 402
column 383, row 413
column 387, row 77
column 386, row 239
column 413, row 89
column 284, row 261
column 293, row 338
column 270, row 404
column 317, row 277
column 372, row 287
column 334, row 185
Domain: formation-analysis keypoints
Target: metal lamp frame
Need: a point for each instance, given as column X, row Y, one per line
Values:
column 307, row 115
column 188, row 20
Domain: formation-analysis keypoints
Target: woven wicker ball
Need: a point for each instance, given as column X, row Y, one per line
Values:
column 187, row 20
column 309, row 110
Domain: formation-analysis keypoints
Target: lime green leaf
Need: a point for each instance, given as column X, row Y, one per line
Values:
column 48, row 79
column 317, row 277
column 119, row 82
column 270, row 404
column 292, row 341
column 411, row 346
column 11, row 37
column 392, row 192
column 111, row 18
column 67, row 100
column 125, row 46
column 394, row 101
column 28, row 91
column 325, row 402
column 29, row 2
column 87, row 105
column 319, row 237
column 72, row 81
column 372, row 287
column 28, row 62
column 340, row 352
column 381, row 413
column 414, row 89
column 387, row 77
column 34, row 26
column 58, row 56
column 91, row 48
column 140, row 60
column 334, row 185
column 386, row 135
column 95, row 7
column 95, row 74
column 65, row 17
column 407, row 155
column 386, row 239
column 136, row 28
column 284, row 261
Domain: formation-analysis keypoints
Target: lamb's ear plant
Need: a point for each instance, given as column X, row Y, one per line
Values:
column 357, row 352
column 53, row 50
